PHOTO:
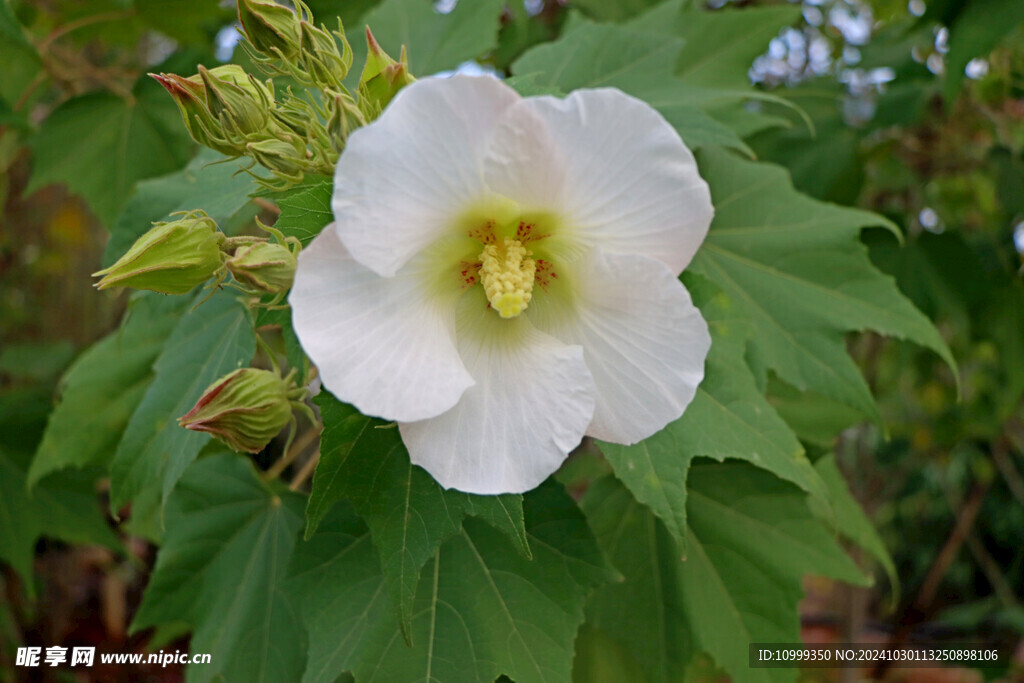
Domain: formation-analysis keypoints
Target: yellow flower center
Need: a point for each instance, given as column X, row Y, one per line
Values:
column 507, row 275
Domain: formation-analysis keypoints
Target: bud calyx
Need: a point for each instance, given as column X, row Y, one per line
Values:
column 172, row 258
column 246, row 408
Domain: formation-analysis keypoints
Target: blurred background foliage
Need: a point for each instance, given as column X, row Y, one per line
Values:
column 921, row 118
column 917, row 111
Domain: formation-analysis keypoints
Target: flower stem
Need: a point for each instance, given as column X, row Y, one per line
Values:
column 288, row 458
column 306, row 471
column 80, row 23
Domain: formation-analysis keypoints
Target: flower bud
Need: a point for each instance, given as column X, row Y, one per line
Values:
column 244, row 409
column 264, row 266
column 382, row 76
column 271, row 28
column 190, row 96
column 325, row 63
column 172, row 258
column 343, row 117
column 236, row 99
column 283, row 158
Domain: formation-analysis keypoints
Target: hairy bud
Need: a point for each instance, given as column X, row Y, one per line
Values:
column 190, row 96
column 244, row 409
column 285, row 159
column 326, row 65
column 382, row 76
column 264, row 266
column 172, row 258
column 236, row 99
column 271, row 28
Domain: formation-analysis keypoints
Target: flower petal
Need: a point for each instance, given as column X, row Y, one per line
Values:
column 402, row 180
column 643, row 340
column 382, row 344
column 611, row 166
column 530, row 406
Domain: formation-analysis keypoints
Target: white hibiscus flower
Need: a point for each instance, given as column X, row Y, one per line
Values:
column 502, row 277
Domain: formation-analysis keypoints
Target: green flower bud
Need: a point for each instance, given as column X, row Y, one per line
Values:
column 190, row 96
column 236, row 99
column 283, row 158
column 343, row 117
column 264, row 266
column 382, row 76
column 244, row 409
column 325, row 63
column 271, row 28
column 172, row 258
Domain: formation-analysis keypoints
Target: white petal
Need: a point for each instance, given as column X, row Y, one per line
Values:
column 530, row 406
column 525, row 162
column 643, row 340
column 402, row 179
column 381, row 344
column 611, row 165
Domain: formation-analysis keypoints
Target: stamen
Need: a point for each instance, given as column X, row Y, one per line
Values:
column 507, row 276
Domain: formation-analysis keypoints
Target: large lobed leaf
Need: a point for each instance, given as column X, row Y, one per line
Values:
column 750, row 540
column 305, row 211
column 228, row 543
column 797, row 270
column 719, row 47
column 363, row 460
column 101, row 391
column 482, row 609
column 614, row 10
column 212, row 340
column 851, row 521
column 101, row 144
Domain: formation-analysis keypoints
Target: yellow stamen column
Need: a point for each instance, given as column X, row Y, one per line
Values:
column 507, row 274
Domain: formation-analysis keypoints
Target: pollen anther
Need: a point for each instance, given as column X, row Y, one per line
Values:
column 507, row 274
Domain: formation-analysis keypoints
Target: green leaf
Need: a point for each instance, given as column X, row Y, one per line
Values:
column 816, row 419
column 482, row 609
column 349, row 11
column 750, row 540
column 188, row 21
column 824, row 163
column 363, row 460
column 728, row 418
column 639, row 63
column 434, row 41
column 36, row 361
column 851, row 521
column 796, row 268
column 977, row 30
column 305, row 212
column 718, row 50
column 228, row 543
column 614, row 10
column 17, row 54
column 720, row 46
column 599, row 659
column 63, row 506
column 210, row 182
column 103, row 388
column 11, row 31
column 209, row 342
column 100, row 145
